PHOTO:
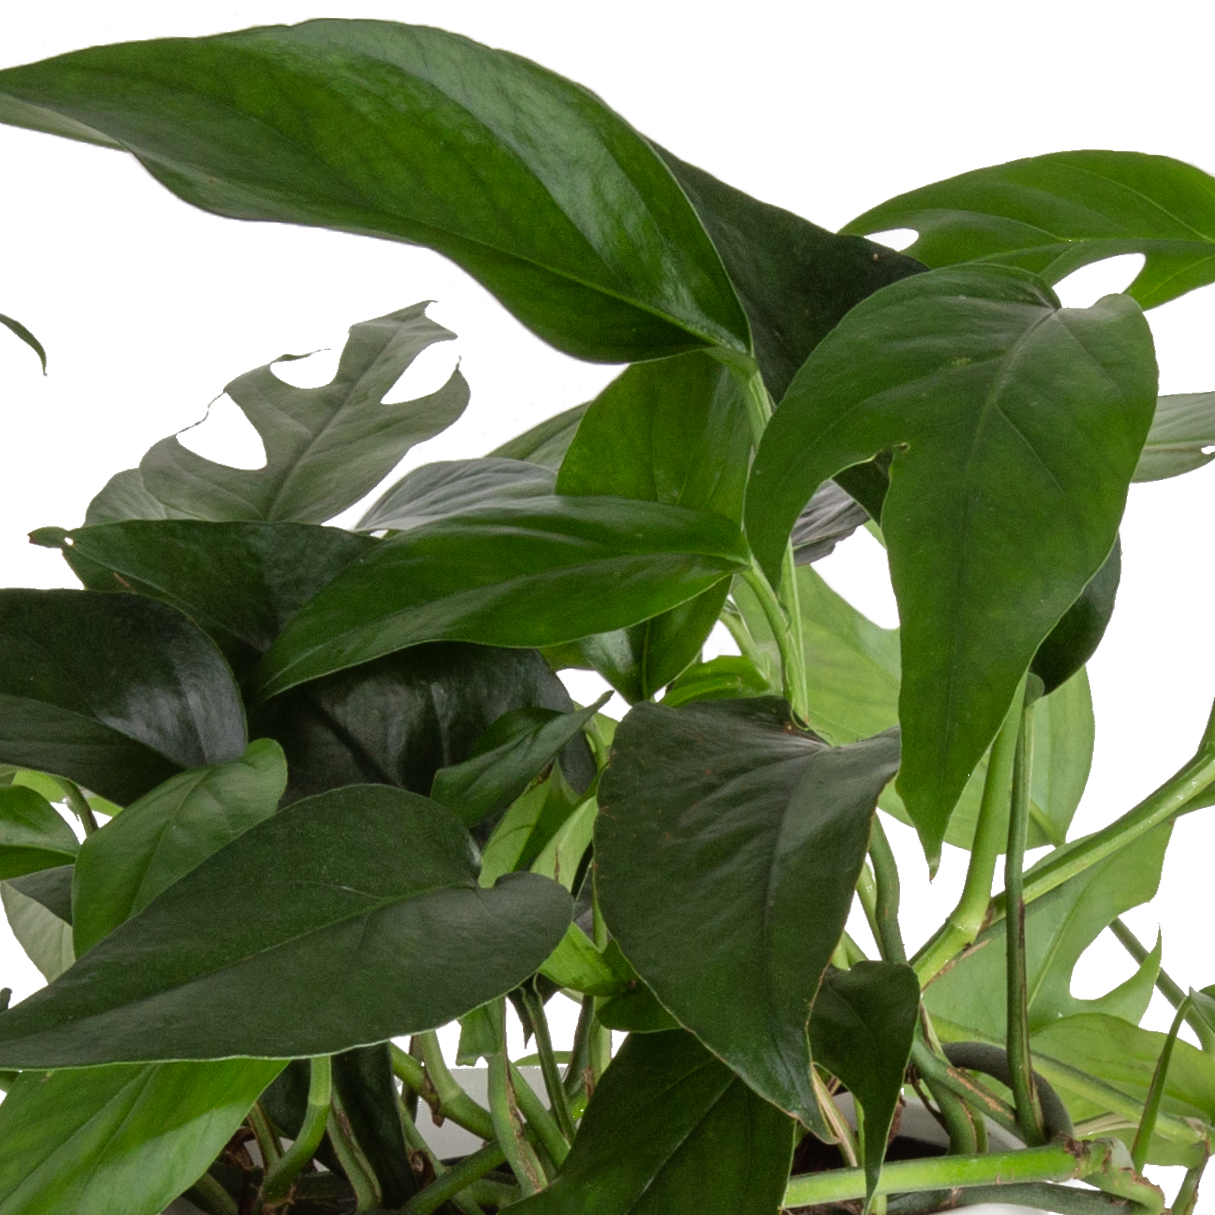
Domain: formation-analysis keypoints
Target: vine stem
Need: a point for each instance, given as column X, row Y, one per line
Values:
column 508, row 1127
column 1151, row 1107
column 887, row 893
column 358, row 1172
column 449, row 1183
column 792, row 662
column 548, row 1064
column 283, row 1172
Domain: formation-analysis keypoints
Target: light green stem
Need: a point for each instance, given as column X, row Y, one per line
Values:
column 793, row 666
column 449, row 1099
column 358, row 1172
column 508, row 1127
column 548, row 1066
column 283, row 1172
column 445, row 1187
column 538, row 1118
column 732, row 618
column 886, row 894
column 1151, row 1107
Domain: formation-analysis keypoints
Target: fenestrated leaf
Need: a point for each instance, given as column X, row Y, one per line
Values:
column 671, row 1129
column 125, row 496
column 545, row 443
column 526, row 180
column 727, row 852
column 1059, row 927
column 861, row 1031
column 1182, row 437
column 535, row 573
column 270, row 570
column 1053, row 214
column 15, row 326
column 399, row 719
column 455, row 487
column 325, row 447
column 1016, row 426
column 166, row 833
column 119, row 1140
column 32, row 834
column 363, row 903
column 46, row 939
column 116, row 692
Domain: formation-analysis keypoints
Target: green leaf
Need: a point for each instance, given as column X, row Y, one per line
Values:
column 795, row 279
column 494, row 777
column 26, row 336
column 724, row 825
column 363, row 903
column 545, row 443
column 125, row 496
column 50, row 887
column 531, row 574
column 635, row 1011
column 325, row 447
column 1053, row 214
column 46, row 939
column 166, row 833
column 671, row 1129
column 525, row 830
column 1059, row 927
column 1015, row 427
column 831, row 515
column 119, row 1140
column 270, row 571
column 1182, row 437
column 115, row 692
column 729, row 676
column 456, row 487
column 576, row 964
column 526, row 180
column 861, row 1031
column 32, row 834
column 562, row 857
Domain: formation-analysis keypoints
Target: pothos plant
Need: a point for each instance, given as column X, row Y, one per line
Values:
column 333, row 793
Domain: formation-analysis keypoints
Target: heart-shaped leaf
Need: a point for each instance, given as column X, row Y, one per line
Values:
column 670, row 1128
column 536, row 573
column 1053, row 214
column 32, row 834
column 526, row 180
column 362, row 903
column 116, row 692
column 727, row 852
column 1182, row 437
column 1015, row 426
column 325, row 447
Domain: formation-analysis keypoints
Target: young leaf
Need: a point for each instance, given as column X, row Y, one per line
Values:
column 1016, row 426
column 526, row 180
column 26, row 336
column 119, row 1140
column 526, row 829
column 363, row 904
column 861, row 1031
column 32, row 834
column 115, row 692
column 166, row 833
column 727, row 851
column 670, row 1128
column 727, row 677
column 1053, row 214
column 525, row 575
column 1182, row 437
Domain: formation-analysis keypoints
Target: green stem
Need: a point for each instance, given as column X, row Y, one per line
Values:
column 548, row 1065
column 1151, row 1107
column 732, row 618
column 580, row 1052
column 1187, row 1194
column 444, row 1093
column 1020, row 1062
column 887, row 894
column 540, row 1120
column 793, row 668
column 78, row 804
column 267, row 1141
column 976, row 1095
column 280, row 1176
column 443, row 1188
column 208, row 1194
column 599, row 1040
column 508, row 1127
column 354, row 1165
column 959, row 1124
column 967, row 918
column 835, row 1120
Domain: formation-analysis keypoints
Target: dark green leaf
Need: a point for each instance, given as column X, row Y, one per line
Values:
column 398, row 720
column 119, row 1140
column 116, row 692
column 1053, row 214
column 26, row 336
column 636, row 1011
column 166, row 833
column 861, row 1031
column 50, row 887
column 795, row 279
column 670, row 1129
column 1182, row 437
column 831, row 515
column 545, row 443
column 325, row 447
column 526, row 180
column 1016, row 426
column 363, row 903
column 727, row 851
column 536, row 573
column 455, row 487
column 32, row 834
column 270, row 570
column 729, row 676
column 367, row 1090
column 46, row 939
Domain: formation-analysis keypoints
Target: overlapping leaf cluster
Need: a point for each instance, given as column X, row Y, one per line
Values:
column 333, row 792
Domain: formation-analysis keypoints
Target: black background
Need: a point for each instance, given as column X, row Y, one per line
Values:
column 147, row 315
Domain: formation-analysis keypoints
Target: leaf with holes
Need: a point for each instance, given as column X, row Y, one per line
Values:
column 1182, row 437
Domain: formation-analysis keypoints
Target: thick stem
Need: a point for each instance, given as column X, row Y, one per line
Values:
column 539, row 1119
column 887, row 894
column 211, row 1197
column 264, row 1134
column 955, row 1113
column 580, row 1052
column 976, row 1095
column 280, row 1176
column 1187, row 1194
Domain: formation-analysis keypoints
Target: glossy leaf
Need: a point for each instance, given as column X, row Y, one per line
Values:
column 50, row 887
column 270, row 571
column 545, row 443
column 670, row 1129
column 861, row 1031
column 166, row 833
column 455, row 487
column 119, row 1140
column 726, row 829
column 363, row 902
column 831, row 515
column 1016, row 426
column 325, row 447
column 526, row 180
column 15, row 326
column 115, row 692
column 577, row 965
column 727, row 677
column 635, row 1011
column 1182, row 437
column 32, row 834
column 43, row 935
column 525, row 830
column 527, row 575
column 1053, row 214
